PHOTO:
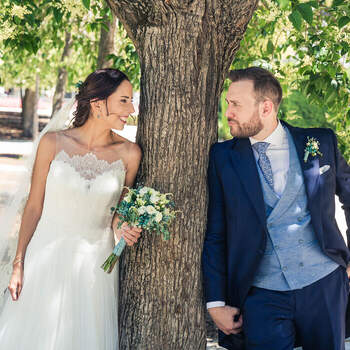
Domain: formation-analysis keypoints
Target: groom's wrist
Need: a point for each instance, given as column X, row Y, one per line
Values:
column 212, row 304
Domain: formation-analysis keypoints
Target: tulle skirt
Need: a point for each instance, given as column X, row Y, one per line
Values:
column 68, row 302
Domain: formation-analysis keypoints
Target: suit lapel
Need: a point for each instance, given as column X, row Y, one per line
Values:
column 244, row 164
column 311, row 168
column 311, row 174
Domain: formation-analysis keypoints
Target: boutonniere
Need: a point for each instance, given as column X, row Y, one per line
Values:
column 312, row 147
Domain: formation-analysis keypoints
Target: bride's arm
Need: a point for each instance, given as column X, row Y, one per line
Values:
column 33, row 208
column 132, row 165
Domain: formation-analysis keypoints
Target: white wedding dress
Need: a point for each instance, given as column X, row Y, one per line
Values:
column 68, row 302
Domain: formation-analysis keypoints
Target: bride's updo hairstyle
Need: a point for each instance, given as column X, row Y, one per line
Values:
column 97, row 86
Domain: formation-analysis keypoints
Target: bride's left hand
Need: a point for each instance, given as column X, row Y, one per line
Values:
column 129, row 233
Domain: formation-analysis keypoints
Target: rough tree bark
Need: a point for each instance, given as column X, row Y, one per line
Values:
column 185, row 50
column 30, row 120
column 62, row 75
column 106, row 44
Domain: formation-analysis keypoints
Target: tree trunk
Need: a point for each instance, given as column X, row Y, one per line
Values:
column 30, row 120
column 106, row 44
column 62, row 76
column 185, row 50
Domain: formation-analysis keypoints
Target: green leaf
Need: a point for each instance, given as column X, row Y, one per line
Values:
column 330, row 96
column 17, row 20
column 343, row 21
column 86, row 3
column 337, row 2
column 105, row 27
column 306, row 12
column 313, row 4
column 345, row 47
column 269, row 47
column 27, row 45
column 296, row 19
column 283, row 4
column 57, row 14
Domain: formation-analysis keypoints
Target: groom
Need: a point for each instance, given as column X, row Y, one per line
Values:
column 274, row 260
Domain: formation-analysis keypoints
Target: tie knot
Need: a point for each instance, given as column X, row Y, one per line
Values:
column 261, row 147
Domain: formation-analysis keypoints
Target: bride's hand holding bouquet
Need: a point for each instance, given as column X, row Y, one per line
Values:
column 142, row 209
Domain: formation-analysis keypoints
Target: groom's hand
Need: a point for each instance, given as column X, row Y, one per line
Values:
column 224, row 318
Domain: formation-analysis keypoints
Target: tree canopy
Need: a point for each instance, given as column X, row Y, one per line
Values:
column 306, row 45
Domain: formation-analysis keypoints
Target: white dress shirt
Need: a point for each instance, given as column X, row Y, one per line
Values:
column 278, row 154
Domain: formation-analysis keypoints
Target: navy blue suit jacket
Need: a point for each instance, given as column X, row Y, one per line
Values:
column 236, row 227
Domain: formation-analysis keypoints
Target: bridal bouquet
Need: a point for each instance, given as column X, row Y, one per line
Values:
column 146, row 208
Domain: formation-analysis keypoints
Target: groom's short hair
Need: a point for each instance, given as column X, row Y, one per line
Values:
column 265, row 84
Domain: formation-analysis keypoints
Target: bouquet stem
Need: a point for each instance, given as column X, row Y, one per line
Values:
column 108, row 265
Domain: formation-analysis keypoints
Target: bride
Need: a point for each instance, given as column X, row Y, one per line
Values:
column 60, row 297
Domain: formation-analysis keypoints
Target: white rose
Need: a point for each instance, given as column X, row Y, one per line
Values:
column 159, row 217
column 140, row 202
column 154, row 198
column 127, row 198
column 151, row 210
column 153, row 191
column 143, row 190
column 141, row 210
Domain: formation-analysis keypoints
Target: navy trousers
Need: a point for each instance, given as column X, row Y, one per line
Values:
column 314, row 315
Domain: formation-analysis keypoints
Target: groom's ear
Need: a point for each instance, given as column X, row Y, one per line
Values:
column 267, row 108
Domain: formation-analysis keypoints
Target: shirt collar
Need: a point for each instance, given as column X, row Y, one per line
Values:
column 277, row 137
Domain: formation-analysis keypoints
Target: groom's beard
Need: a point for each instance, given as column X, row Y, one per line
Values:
column 248, row 129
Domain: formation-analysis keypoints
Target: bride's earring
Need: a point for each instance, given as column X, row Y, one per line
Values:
column 98, row 114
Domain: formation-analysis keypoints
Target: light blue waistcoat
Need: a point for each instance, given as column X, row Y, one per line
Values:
column 293, row 258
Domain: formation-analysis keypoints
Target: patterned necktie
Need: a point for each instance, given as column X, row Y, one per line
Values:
column 264, row 161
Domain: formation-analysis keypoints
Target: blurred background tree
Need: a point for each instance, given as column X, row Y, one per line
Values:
column 46, row 45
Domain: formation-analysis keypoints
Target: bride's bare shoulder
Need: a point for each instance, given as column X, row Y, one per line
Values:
column 47, row 144
column 49, row 139
column 131, row 149
column 134, row 150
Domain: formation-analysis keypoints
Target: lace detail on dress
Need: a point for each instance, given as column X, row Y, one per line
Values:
column 88, row 165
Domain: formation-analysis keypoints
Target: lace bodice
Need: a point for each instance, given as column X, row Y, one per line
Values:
column 88, row 165
column 80, row 190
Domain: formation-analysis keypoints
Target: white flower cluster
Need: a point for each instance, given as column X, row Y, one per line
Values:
column 149, row 201
column 7, row 31
column 19, row 11
column 74, row 7
column 148, row 209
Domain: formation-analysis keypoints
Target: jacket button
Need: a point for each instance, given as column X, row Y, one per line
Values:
column 284, row 268
column 300, row 218
column 301, row 264
column 301, row 241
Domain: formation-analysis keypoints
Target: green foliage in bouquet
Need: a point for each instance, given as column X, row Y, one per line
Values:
column 148, row 209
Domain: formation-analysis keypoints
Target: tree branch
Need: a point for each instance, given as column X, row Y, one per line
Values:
column 132, row 13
